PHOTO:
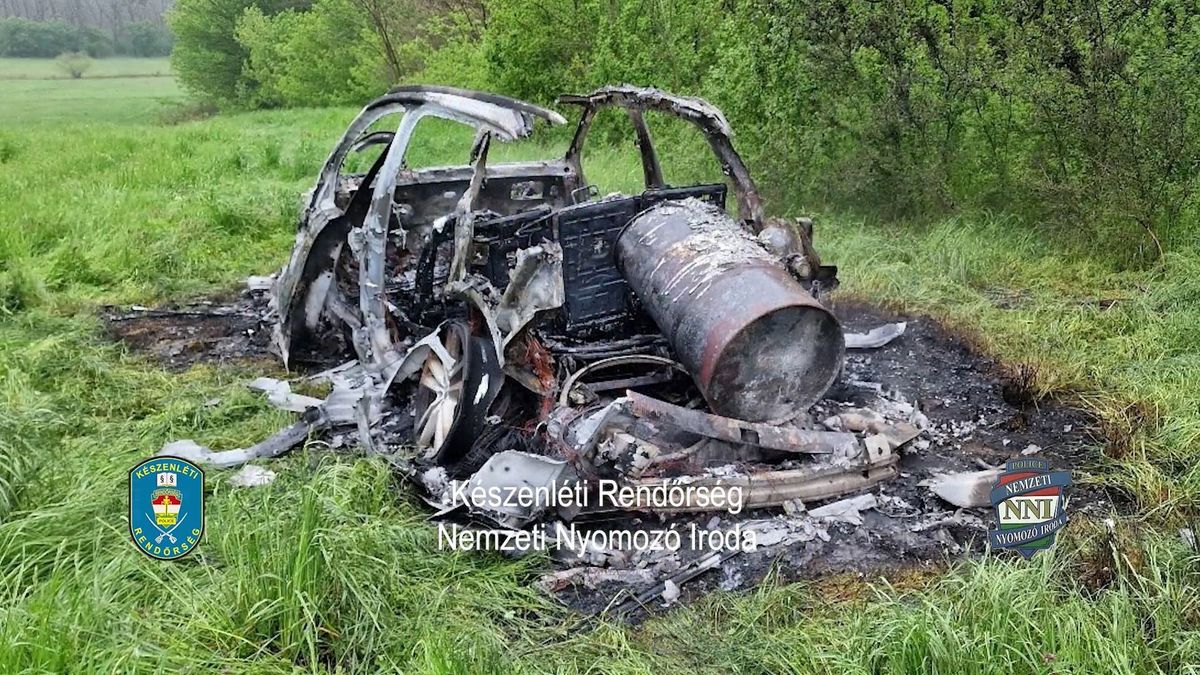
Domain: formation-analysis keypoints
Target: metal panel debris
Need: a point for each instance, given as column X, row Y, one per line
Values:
column 877, row 337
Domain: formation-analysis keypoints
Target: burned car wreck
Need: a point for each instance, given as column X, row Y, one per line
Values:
column 503, row 324
column 505, row 308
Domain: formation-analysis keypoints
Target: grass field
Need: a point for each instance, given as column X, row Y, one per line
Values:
column 333, row 568
column 34, row 92
column 116, row 66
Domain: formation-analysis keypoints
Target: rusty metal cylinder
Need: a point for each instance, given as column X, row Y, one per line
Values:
column 758, row 345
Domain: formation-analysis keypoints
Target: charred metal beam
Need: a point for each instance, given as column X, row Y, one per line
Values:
column 427, row 93
column 651, row 170
column 787, row 439
column 765, row 489
column 613, row 362
column 699, row 112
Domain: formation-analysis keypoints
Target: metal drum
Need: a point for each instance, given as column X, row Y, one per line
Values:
column 759, row 346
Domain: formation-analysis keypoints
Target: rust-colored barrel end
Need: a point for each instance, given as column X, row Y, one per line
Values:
column 778, row 364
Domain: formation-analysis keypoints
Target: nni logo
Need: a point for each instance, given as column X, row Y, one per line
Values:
column 1028, row 509
column 1030, row 506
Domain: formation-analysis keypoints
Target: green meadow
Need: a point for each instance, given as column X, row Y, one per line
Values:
column 113, row 192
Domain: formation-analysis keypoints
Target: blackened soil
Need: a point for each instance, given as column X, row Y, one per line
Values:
column 216, row 330
column 984, row 409
column 980, row 415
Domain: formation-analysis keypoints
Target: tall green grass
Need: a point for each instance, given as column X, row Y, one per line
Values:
column 333, row 568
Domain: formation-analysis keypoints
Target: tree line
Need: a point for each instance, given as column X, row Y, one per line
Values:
column 44, row 39
column 108, row 15
column 47, row 28
column 1077, row 116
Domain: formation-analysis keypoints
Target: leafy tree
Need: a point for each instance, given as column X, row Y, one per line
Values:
column 1082, row 116
column 94, row 42
column 539, row 49
column 320, row 57
column 208, row 58
column 47, row 39
column 36, row 39
column 449, row 53
column 148, row 39
column 1078, row 115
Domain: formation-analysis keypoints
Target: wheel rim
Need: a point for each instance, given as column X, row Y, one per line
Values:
column 442, row 378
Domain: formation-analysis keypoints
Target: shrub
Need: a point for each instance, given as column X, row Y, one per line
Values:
column 448, row 52
column 147, row 39
column 324, row 56
column 539, row 50
column 1080, row 113
column 94, row 42
column 47, row 39
column 207, row 58
column 74, row 64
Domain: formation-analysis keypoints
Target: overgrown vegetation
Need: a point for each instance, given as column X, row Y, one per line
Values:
column 279, row 56
column 1078, row 116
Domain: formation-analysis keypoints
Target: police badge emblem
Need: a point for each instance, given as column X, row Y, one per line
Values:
column 166, row 507
column 1030, row 504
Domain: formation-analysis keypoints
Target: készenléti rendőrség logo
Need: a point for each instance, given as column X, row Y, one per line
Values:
column 166, row 507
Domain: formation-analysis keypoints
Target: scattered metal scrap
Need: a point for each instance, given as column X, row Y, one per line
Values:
column 877, row 337
column 967, row 489
column 483, row 301
column 252, row 475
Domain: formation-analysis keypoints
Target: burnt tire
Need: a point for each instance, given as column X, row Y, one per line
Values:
column 454, row 392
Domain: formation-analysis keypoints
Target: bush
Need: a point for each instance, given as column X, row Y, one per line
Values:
column 448, row 53
column 539, row 50
column 74, row 64
column 208, row 58
column 46, row 39
column 94, row 42
column 536, row 51
column 1079, row 115
column 324, row 56
column 147, row 39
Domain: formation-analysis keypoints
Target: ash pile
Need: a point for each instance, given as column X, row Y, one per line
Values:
column 637, row 385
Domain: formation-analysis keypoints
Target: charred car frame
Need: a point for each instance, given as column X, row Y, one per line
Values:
column 511, row 325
